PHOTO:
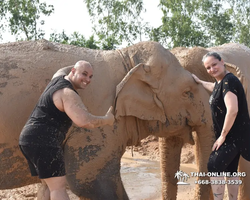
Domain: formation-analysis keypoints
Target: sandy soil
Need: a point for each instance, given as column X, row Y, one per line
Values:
column 140, row 174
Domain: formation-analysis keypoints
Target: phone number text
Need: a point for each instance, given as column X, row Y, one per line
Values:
column 219, row 182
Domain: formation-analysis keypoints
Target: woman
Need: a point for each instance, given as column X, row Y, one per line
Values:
column 231, row 125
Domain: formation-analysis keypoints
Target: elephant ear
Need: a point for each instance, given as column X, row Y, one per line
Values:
column 235, row 70
column 240, row 74
column 136, row 96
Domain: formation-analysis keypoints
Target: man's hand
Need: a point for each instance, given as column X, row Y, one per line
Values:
column 110, row 117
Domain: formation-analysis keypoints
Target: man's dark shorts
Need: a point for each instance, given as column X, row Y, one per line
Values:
column 45, row 161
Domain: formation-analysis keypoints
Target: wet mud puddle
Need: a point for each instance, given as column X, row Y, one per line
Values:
column 142, row 178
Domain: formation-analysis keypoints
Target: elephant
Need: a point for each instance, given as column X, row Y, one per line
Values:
column 237, row 61
column 151, row 94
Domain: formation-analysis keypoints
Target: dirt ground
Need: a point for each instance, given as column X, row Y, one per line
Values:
column 140, row 174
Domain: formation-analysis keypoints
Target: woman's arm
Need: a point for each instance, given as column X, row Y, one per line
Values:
column 231, row 103
column 207, row 85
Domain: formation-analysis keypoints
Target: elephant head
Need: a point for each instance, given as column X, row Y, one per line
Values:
column 163, row 97
column 237, row 59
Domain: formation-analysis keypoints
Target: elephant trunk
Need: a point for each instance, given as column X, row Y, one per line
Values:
column 170, row 151
column 203, row 143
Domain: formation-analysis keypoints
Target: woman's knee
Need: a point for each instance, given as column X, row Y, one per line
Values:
column 214, row 166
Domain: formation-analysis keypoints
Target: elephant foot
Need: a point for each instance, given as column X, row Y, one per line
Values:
column 169, row 195
column 102, row 188
column 203, row 192
column 103, row 191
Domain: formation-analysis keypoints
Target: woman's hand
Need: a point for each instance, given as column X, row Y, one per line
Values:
column 218, row 143
column 197, row 80
column 209, row 86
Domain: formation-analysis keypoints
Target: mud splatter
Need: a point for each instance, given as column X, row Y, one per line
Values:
column 5, row 68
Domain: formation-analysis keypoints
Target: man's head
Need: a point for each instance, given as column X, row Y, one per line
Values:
column 81, row 74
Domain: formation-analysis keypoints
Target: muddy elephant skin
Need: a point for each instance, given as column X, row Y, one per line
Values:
column 237, row 61
column 152, row 95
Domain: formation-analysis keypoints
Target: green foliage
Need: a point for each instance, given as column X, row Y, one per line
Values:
column 59, row 38
column 109, row 43
column 155, row 34
column 181, row 25
column 23, row 17
column 240, row 17
column 117, row 21
column 75, row 39
column 184, row 23
column 216, row 21
column 204, row 22
column 79, row 40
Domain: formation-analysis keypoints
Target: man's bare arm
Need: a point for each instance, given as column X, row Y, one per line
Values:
column 96, row 121
column 63, row 71
column 75, row 109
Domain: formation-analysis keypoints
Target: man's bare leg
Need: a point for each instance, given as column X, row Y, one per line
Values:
column 43, row 192
column 57, row 188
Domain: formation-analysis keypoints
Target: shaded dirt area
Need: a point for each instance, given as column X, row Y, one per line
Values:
column 140, row 174
column 149, row 148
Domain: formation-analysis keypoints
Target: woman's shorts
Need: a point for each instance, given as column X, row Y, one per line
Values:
column 44, row 161
column 225, row 159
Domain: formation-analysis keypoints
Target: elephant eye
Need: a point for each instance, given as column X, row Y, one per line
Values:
column 146, row 68
column 187, row 93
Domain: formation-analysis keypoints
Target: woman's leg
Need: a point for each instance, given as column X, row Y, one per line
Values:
column 218, row 189
column 232, row 188
column 224, row 159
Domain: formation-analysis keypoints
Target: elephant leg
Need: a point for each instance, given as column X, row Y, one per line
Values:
column 103, row 188
column 203, row 144
column 170, row 152
column 112, row 189
column 43, row 192
column 244, row 192
column 92, row 178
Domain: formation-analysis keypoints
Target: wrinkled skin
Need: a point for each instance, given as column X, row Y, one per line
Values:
column 237, row 58
column 150, row 91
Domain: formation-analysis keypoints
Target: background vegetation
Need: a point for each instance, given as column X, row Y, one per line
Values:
column 184, row 23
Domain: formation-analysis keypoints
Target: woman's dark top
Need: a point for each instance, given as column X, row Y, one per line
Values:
column 47, row 126
column 240, row 131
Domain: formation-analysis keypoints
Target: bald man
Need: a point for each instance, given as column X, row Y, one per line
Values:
column 43, row 134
